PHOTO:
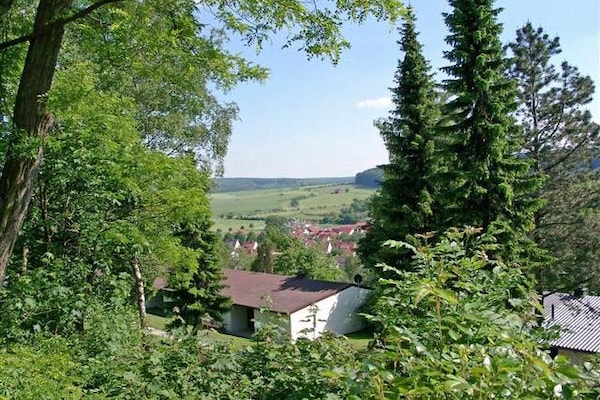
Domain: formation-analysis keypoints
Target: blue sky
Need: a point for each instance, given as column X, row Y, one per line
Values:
column 313, row 119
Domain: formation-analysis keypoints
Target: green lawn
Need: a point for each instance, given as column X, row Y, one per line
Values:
column 158, row 322
column 358, row 340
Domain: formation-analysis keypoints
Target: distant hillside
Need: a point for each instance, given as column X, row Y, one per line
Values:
column 240, row 184
column 323, row 204
column 370, row 178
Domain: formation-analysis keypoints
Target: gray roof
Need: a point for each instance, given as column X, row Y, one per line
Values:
column 579, row 319
column 279, row 293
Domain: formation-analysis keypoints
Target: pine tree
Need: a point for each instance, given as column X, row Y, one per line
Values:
column 561, row 139
column 489, row 185
column 404, row 206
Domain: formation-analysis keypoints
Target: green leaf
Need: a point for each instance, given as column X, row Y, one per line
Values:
column 569, row 371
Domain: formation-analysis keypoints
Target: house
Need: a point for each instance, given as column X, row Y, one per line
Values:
column 303, row 307
column 250, row 246
column 578, row 317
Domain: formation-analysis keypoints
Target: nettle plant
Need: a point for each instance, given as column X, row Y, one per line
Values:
column 462, row 326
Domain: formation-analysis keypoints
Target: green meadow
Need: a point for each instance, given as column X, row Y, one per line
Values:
column 236, row 209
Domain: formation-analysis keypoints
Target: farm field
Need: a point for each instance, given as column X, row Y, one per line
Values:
column 236, row 209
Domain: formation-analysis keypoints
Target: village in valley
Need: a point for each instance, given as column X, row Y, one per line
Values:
column 339, row 242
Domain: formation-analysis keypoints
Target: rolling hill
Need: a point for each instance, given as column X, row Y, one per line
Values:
column 223, row 185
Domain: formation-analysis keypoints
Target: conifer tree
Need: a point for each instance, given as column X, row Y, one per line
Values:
column 489, row 185
column 198, row 287
column 404, row 205
column 561, row 139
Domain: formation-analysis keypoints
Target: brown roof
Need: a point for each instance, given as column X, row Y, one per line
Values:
column 279, row 293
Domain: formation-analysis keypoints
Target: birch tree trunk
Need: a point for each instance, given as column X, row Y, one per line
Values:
column 141, row 294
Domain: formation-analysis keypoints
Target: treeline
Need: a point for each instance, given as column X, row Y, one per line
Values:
column 370, row 178
column 241, row 184
column 356, row 212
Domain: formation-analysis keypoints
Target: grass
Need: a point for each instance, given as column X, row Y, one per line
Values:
column 314, row 202
column 158, row 322
column 358, row 340
column 236, row 224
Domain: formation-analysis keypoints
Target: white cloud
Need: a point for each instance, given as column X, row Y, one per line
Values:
column 380, row 102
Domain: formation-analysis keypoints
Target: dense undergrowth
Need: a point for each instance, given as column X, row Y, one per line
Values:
column 461, row 327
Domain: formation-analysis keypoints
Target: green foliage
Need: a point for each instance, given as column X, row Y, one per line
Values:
column 279, row 253
column 106, row 361
column 276, row 225
column 462, row 326
column 307, row 261
column 558, row 134
column 104, row 198
column 56, row 299
column 315, row 27
column 45, row 371
column 357, row 211
column 264, row 257
column 174, row 60
column 283, row 369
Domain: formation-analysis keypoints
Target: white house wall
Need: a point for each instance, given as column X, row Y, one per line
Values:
column 337, row 313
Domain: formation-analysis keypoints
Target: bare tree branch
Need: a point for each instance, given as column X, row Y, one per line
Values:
column 80, row 14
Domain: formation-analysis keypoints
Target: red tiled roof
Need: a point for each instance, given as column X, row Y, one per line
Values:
column 279, row 293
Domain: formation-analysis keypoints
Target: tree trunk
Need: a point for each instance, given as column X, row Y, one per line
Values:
column 24, row 260
column 31, row 124
column 141, row 294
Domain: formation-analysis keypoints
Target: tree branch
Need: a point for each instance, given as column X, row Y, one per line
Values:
column 80, row 14
column 563, row 158
column 563, row 288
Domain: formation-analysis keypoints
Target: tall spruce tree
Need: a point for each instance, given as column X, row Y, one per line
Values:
column 562, row 140
column 404, row 206
column 197, row 288
column 488, row 184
